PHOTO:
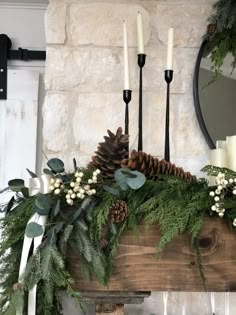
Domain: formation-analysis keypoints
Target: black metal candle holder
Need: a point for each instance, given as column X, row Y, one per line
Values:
column 168, row 79
column 141, row 63
column 127, row 98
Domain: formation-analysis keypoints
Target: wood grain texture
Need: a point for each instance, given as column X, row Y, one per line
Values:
column 138, row 269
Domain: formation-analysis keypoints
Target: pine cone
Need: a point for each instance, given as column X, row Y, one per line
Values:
column 118, row 211
column 152, row 167
column 211, row 28
column 110, row 153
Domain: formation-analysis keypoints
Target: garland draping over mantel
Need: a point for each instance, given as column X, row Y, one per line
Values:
column 88, row 209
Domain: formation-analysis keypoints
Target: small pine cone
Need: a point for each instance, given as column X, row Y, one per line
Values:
column 152, row 167
column 211, row 28
column 118, row 211
column 110, row 153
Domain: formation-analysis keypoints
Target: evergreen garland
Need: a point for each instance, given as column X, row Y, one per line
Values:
column 80, row 223
column 223, row 40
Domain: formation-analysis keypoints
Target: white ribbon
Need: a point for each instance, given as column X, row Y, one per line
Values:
column 213, row 307
column 36, row 185
column 165, row 301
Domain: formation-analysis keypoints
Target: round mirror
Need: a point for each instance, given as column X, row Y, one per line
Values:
column 215, row 102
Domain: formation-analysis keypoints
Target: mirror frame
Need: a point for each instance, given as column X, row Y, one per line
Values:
column 196, row 99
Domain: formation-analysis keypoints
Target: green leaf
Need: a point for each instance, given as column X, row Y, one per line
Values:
column 9, row 205
column 138, row 182
column 111, row 190
column 113, row 229
column 16, row 184
column 57, row 208
column 33, row 175
column 25, row 192
column 128, row 173
column 43, row 204
column 33, row 229
column 48, row 172
column 56, row 165
column 75, row 164
column 121, row 179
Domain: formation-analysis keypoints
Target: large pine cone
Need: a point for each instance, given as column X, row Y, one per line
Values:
column 211, row 28
column 110, row 153
column 152, row 167
column 118, row 211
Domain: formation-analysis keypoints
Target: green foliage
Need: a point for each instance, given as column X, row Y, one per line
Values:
column 176, row 205
column 211, row 170
column 223, row 41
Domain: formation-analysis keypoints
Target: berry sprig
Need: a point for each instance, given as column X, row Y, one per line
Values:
column 79, row 189
column 76, row 188
column 224, row 186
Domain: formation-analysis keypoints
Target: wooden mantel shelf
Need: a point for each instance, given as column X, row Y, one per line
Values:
column 138, row 269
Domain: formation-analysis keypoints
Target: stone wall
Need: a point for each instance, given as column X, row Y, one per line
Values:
column 84, row 83
column 84, row 76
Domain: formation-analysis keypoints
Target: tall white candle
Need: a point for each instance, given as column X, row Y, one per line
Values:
column 231, row 152
column 170, row 47
column 126, row 59
column 140, row 33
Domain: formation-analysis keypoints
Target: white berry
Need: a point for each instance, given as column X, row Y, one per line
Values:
column 216, row 198
column 234, row 191
column 221, row 214
column 57, row 191
column 51, row 187
column 81, row 174
column 90, row 181
column 213, row 208
column 212, row 194
column 52, row 181
column 78, row 179
column 72, row 184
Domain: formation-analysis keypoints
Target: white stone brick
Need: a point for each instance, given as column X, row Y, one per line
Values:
column 56, row 128
column 188, row 19
column 102, row 24
column 55, row 22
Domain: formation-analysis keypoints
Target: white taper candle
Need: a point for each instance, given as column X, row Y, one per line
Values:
column 126, row 59
column 140, row 33
column 170, row 47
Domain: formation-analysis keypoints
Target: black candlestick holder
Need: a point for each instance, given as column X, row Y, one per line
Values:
column 168, row 79
column 127, row 98
column 141, row 63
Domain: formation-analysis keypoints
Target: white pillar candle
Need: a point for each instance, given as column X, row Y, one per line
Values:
column 126, row 59
column 220, row 144
column 170, row 47
column 140, row 33
column 231, row 152
column 218, row 157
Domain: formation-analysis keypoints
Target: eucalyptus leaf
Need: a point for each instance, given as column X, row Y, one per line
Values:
column 111, row 190
column 121, row 179
column 128, row 173
column 33, row 175
column 76, row 215
column 56, row 165
column 48, row 172
column 43, row 204
column 138, row 182
column 25, row 192
column 33, row 229
column 16, row 184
